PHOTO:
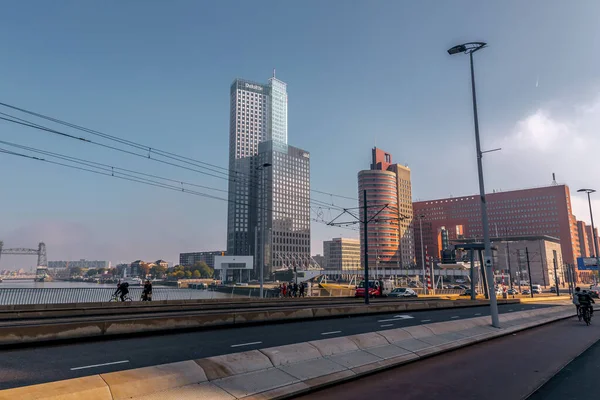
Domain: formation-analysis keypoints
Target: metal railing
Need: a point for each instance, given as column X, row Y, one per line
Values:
column 12, row 296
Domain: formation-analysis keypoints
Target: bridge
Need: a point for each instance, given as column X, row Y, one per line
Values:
column 40, row 252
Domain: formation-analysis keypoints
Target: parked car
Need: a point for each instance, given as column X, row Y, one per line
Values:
column 403, row 292
column 512, row 291
column 553, row 289
column 536, row 290
column 526, row 291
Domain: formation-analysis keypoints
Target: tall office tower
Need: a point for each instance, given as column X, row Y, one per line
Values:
column 258, row 112
column 390, row 233
column 283, row 209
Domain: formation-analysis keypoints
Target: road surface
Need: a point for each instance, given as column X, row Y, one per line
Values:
column 38, row 364
column 508, row 368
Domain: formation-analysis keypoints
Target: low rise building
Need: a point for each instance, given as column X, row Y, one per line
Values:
column 189, row 259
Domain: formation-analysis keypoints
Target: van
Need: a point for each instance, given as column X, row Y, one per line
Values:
column 536, row 289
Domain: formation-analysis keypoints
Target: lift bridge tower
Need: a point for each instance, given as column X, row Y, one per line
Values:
column 40, row 252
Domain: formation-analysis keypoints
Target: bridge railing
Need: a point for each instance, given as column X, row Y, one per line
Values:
column 13, row 296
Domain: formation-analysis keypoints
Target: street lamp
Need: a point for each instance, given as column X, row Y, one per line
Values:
column 422, row 250
column 470, row 48
column 262, row 233
column 594, row 236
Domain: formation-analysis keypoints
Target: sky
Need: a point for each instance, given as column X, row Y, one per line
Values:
column 359, row 74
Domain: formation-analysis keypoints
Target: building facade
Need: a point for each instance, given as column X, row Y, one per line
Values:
column 189, row 259
column 590, row 235
column 584, row 243
column 528, row 212
column 389, row 209
column 342, row 254
column 283, row 208
column 85, row 264
column 510, row 259
column 258, row 112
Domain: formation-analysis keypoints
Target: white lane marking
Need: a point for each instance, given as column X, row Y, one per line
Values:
column 386, row 325
column 478, row 314
column 456, row 316
column 330, row 333
column 396, row 318
column 245, row 344
column 100, row 365
column 509, row 310
column 425, row 320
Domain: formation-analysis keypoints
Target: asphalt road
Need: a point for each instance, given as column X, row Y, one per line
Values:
column 507, row 368
column 45, row 363
column 577, row 380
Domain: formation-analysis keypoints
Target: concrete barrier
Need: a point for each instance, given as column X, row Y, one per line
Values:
column 284, row 371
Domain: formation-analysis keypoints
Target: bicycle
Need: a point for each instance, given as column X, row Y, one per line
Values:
column 587, row 315
column 116, row 298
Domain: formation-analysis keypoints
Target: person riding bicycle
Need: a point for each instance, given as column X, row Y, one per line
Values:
column 147, row 293
column 122, row 289
column 585, row 300
column 576, row 300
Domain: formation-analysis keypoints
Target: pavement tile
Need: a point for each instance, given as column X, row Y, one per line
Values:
column 311, row 368
column 386, row 352
column 280, row 392
column 412, row 345
column 255, row 382
column 292, row 353
column 191, row 392
column 354, row 359
column 331, row 378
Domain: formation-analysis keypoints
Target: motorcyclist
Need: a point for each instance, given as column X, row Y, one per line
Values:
column 123, row 290
column 585, row 300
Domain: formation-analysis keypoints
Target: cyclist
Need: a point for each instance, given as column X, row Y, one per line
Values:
column 576, row 300
column 147, row 294
column 585, row 300
column 123, row 289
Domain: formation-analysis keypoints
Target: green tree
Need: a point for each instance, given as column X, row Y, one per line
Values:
column 101, row 271
column 92, row 272
column 196, row 274
column 188, row 274
column 205, row 271
column 158, row 271
column 179, row 274
column 75, row 271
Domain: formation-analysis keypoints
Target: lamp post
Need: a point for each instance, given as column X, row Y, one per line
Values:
column 262, row 231
column 422, row 250
column 594, row 236
column 470, row 48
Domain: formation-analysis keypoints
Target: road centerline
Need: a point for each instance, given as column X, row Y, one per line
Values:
column 330, row 333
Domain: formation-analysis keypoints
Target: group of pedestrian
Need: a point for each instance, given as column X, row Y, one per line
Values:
column 292, row 289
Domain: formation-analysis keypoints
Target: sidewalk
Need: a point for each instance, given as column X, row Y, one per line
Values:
column 511, row 367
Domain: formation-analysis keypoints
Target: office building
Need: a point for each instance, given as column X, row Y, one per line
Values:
column 510, row 259
column 590, row 240
column 282, row 213
column 258, row 113
column 584, row 243
column 342, row 254
column 320, row 260
column 389, row 202
column 190, row 259
column 84, row 264
column 529, row 212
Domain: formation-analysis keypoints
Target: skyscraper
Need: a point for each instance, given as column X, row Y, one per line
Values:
column 390, row 233
column 258, row 112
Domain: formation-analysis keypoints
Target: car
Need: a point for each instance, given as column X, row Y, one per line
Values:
column 593, row 293
column 536, row 290
column 403, row 292
column 553, row 289
column 512, row 291
column 526, row 291
column 468, row 293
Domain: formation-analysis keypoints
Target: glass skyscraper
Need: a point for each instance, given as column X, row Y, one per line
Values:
column 259, row 196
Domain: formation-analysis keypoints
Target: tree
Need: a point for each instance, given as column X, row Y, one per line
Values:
column 75, row 271
column 205, row 271
column 196, row 274
column 179, row 274
column 145, row 269
column 92, row 272
column 158, row 271
column 188, row 274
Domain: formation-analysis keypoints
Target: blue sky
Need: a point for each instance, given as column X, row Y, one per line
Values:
column 359, row 74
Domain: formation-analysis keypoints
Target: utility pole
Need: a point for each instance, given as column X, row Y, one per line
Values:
column 542, row 262
column 366, row 253
column 472, row 257
column 529, row 272
column 555, row 274
column 422, row 252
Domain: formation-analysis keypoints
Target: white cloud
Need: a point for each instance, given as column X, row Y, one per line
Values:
column 565, row 141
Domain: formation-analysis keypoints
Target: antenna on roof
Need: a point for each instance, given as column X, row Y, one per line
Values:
column 554, row 179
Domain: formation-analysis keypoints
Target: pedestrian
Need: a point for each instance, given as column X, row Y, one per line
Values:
column 291, row 289
column 302, row 289
column 295, row 289
column 284, row 290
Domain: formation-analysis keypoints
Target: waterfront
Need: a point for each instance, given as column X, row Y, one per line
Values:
column 30, row 292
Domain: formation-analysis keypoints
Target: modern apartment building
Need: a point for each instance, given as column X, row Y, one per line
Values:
column 528, row 212
column 584, row 243
column 258, row 112
column 342, row 254
column 189, row 259
column 590, row 235
column 389, row 204
column 85, row 264
column 283, row 208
